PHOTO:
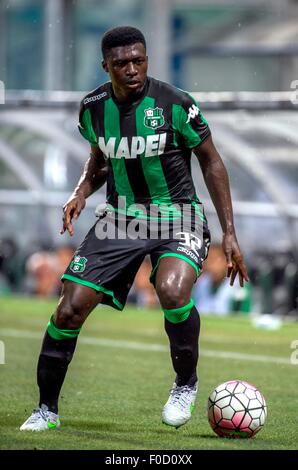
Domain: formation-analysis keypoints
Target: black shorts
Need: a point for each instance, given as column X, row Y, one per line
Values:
column 108, row 259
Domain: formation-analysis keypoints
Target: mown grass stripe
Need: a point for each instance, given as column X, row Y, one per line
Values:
column 230, row 355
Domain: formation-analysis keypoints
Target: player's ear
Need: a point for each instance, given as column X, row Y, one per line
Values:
column 104, row 65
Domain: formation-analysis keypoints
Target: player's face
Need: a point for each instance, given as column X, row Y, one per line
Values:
column 127, row 67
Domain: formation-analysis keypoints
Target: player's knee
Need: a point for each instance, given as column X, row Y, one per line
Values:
column 172, row 296
column 69, row 316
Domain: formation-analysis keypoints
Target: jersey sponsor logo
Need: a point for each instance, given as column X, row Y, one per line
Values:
column 154, row 118
column 152, row 146
column 78, row 265
column 190, row 240
column 193, row 111
column 95, row 98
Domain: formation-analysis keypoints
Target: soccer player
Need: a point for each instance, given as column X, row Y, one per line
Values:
column 142, row 133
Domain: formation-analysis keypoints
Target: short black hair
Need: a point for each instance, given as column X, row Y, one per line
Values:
column 121, row 36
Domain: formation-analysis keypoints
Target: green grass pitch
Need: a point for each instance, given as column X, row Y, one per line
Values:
column 121, row 374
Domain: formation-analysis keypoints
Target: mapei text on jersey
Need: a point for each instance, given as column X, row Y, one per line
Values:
column 150, row 146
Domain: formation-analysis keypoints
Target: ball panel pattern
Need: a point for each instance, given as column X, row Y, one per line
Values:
column 236, row 409
column 227, row 412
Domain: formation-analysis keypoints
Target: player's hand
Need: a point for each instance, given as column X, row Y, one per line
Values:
column 234, row 258
column 72, row 209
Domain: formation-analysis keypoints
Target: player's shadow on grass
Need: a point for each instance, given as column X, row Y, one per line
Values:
column 103, row 432
column 99, row 426
column 167, row 430
column 83, row 427
column 203, row 436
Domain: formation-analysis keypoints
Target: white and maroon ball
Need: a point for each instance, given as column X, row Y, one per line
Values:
column 236, row 409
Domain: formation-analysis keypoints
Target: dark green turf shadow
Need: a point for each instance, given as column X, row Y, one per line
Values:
column 86, row 426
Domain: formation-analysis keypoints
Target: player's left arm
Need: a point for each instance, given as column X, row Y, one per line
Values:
column 217, row 182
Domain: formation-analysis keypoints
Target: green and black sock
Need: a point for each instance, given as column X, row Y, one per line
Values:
column 183, row 329
column 56, row 353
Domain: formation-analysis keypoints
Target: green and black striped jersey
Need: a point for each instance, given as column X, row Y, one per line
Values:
column 147, row 143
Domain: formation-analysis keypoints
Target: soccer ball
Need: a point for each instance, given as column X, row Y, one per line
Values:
column 236, row 409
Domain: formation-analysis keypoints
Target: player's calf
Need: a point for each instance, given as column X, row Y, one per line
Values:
column 56, row 353
column 182, row 326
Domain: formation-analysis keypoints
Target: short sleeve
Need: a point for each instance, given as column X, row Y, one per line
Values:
column 85, row 125
column 193, row 126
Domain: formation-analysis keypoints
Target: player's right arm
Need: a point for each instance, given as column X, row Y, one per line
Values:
column 93, row 177
column 197, row 136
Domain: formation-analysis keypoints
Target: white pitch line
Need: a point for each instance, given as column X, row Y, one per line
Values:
column 150, row 347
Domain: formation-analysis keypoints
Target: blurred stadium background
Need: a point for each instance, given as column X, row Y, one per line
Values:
column 238, row 58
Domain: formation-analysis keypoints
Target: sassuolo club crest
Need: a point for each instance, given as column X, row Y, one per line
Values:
column 78, row 264
column 154, row 118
